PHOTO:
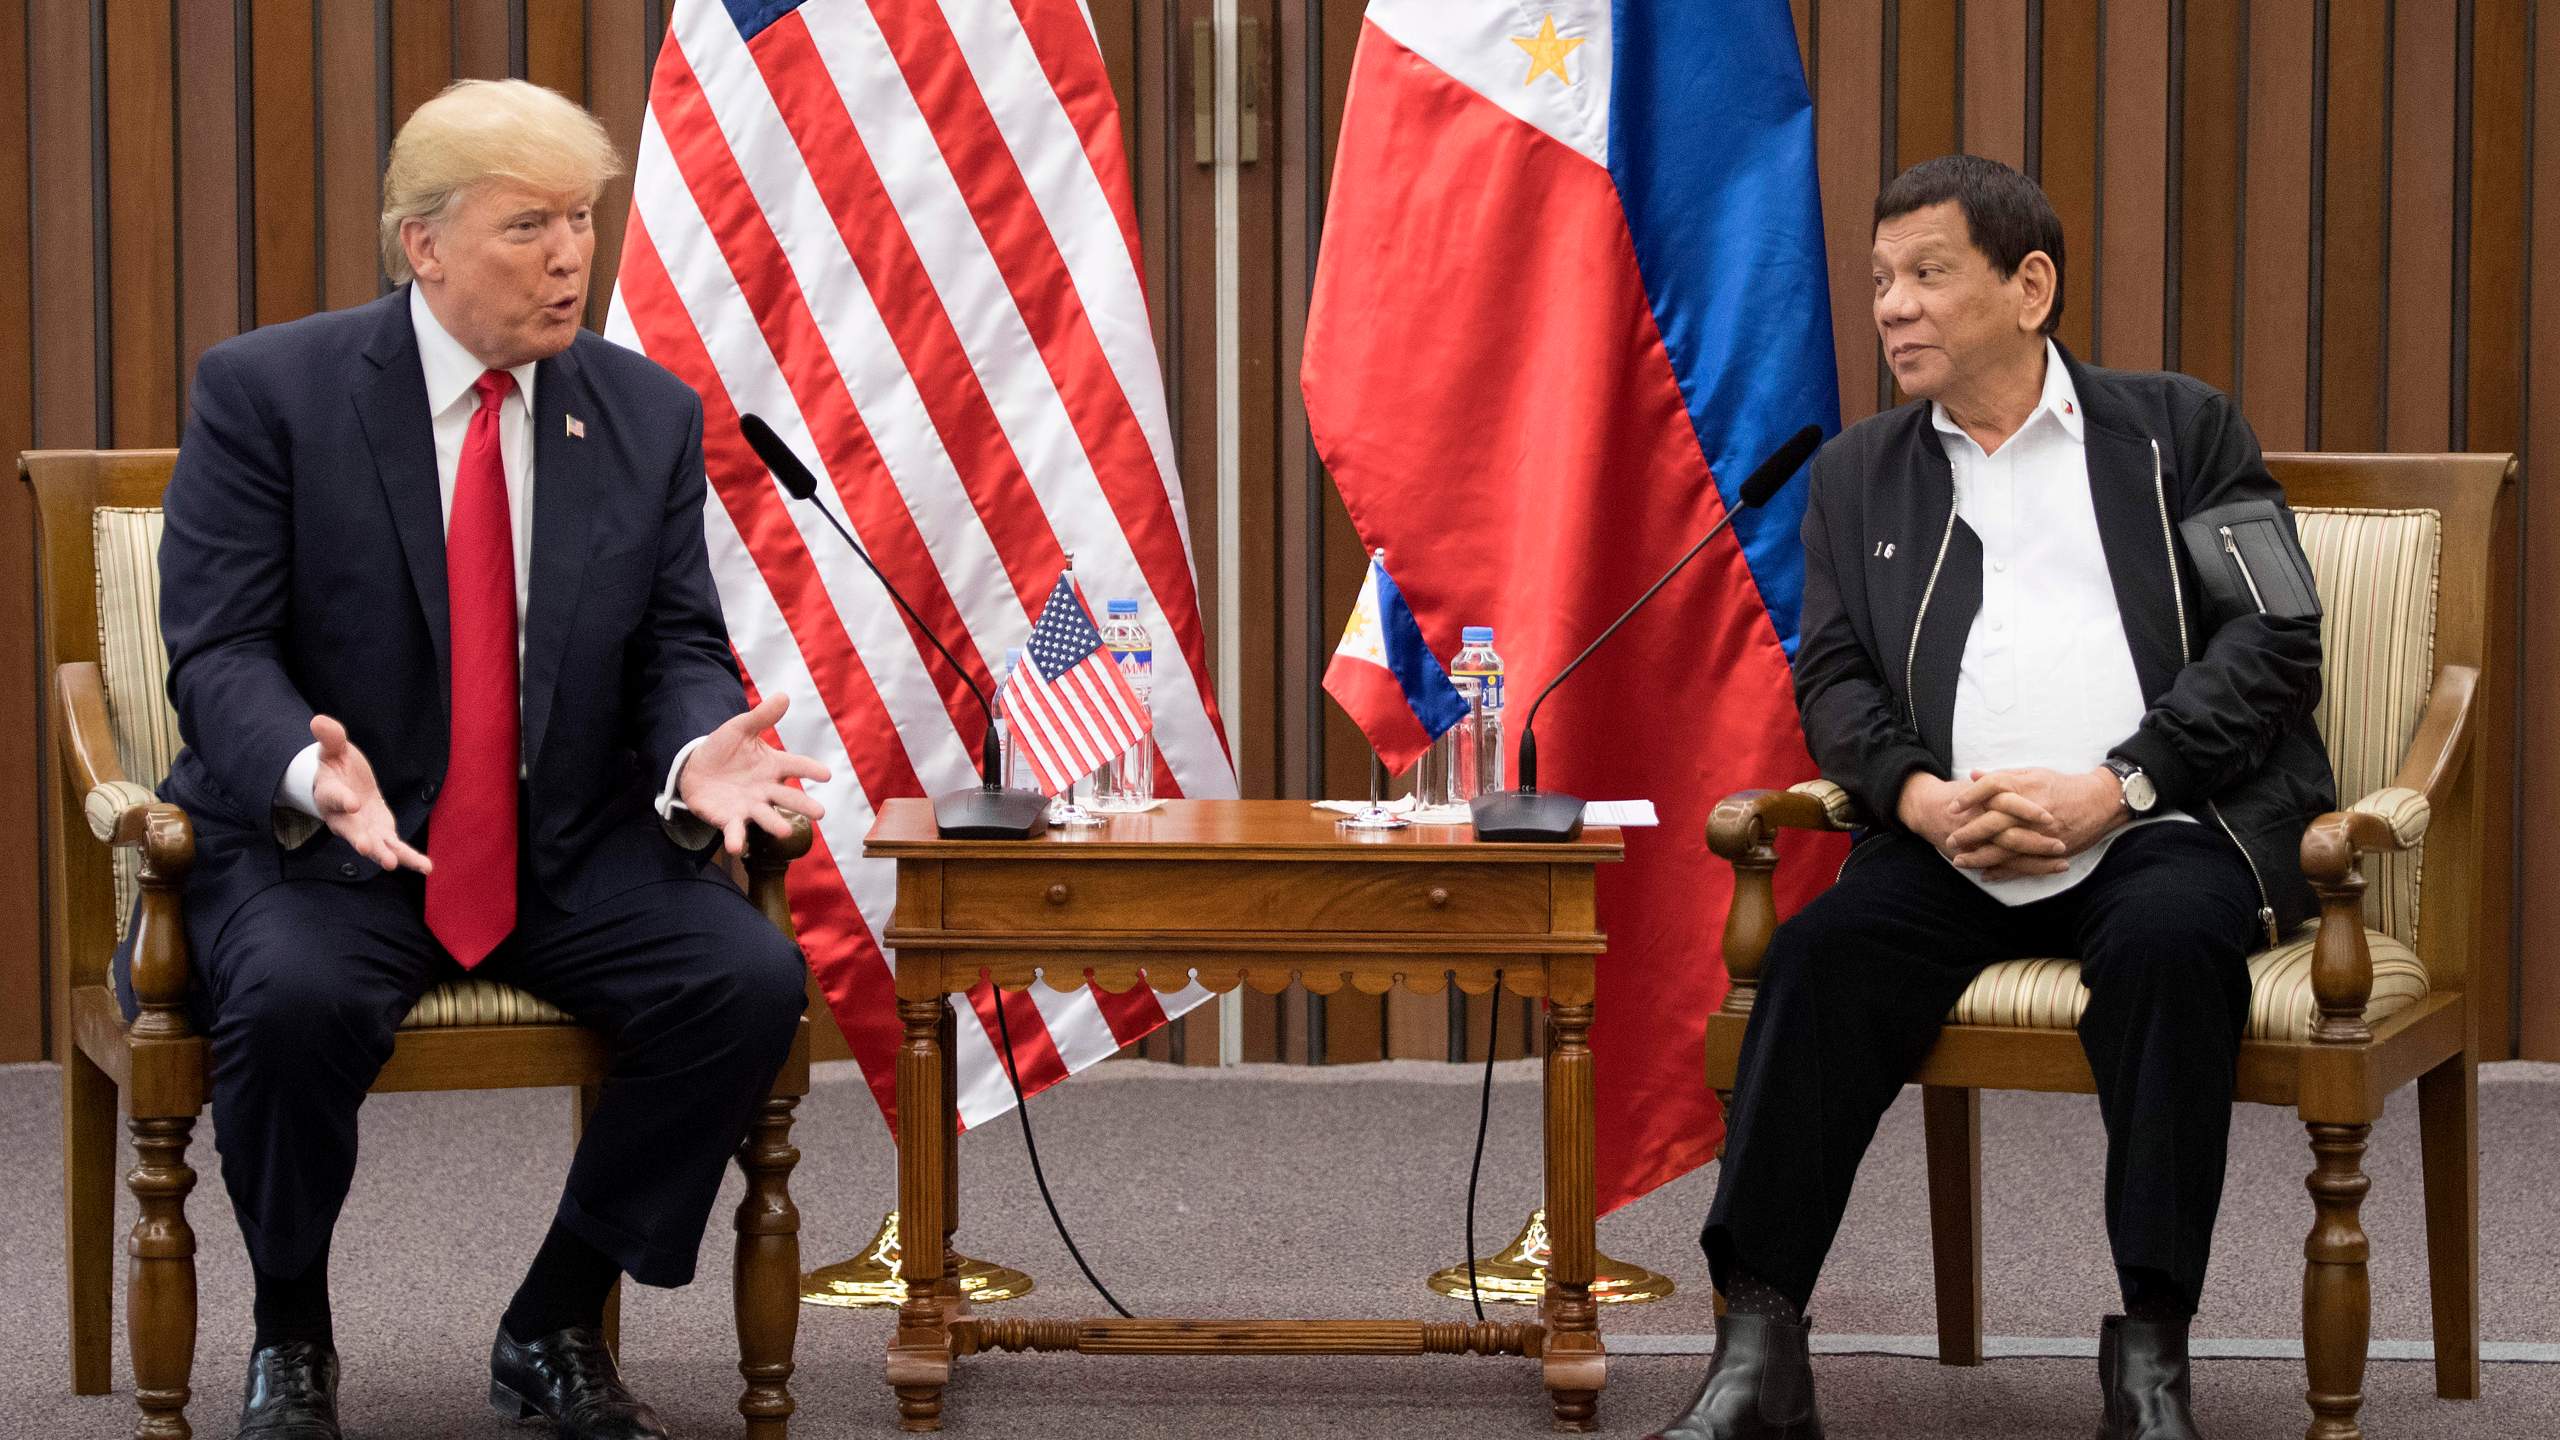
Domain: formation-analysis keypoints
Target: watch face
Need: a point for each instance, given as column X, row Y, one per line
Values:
column 2139, row 793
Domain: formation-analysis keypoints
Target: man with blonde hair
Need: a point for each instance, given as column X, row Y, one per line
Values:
column 457, row 697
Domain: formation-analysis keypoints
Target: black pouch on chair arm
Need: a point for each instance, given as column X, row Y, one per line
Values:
column 2250, row 559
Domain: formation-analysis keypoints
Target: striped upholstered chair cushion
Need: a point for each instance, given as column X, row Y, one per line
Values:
column 2377, row 575
column 134, row 662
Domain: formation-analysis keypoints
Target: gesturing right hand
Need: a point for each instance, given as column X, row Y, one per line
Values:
column 351, row 804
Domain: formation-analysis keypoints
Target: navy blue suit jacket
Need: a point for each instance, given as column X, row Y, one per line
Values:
column 303, row 572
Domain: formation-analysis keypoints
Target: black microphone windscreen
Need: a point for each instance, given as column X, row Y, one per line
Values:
column 1780, row 467
column 794, row 477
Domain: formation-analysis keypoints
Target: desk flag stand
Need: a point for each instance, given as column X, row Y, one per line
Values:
column 1518, row 1276
column 870, row 1279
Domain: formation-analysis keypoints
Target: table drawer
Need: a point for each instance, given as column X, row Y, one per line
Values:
column 1228, row 896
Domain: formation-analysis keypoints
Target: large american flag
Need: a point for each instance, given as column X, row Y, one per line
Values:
column 1068, row 707
column 903, row 233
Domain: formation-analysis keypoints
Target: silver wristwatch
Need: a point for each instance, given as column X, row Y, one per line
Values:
column 2139, row 793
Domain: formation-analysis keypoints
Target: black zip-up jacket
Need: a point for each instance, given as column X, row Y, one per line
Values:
column 1893, row 580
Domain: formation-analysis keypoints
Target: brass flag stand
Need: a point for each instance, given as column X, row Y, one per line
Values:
column 870, row 1278
column 1518, row 1276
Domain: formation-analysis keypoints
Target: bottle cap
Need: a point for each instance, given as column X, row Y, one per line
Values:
column 1120, row 607
column 1478, row 634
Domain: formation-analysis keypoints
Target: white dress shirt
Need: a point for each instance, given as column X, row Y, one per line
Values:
column 2047, row 679
column 453, row 375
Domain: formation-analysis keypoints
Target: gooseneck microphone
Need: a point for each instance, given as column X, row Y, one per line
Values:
column 1526, row 813
column 988, row 812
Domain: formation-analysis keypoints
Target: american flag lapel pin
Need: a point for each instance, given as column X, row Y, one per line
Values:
column 577, row 427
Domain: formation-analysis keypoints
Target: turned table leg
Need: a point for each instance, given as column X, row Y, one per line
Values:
column 920, row 1353
column 1574, row 1365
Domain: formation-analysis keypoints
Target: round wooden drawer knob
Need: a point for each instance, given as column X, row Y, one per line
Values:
column 1058, row 894
column 1439, row 897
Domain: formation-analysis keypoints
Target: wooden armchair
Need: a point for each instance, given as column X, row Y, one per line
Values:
column 98, row 528
column 2411, row 554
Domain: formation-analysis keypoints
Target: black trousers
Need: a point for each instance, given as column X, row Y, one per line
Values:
column 1856, row 986
column 694, row 990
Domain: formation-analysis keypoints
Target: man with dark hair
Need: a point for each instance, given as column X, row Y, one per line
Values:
column 2069, row 742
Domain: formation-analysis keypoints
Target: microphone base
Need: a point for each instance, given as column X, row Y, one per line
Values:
column 1535, row 816
column 979, row 813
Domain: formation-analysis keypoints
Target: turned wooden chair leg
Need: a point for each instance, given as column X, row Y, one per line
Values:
column 768, row 1270
column 2449, row 1144
column 160, row 1303
column 2337, row 1299
column 89, row 1219
column 1952, row 1121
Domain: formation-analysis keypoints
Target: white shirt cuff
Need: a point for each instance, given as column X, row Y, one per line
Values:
column 681, row 826
column 297, row 810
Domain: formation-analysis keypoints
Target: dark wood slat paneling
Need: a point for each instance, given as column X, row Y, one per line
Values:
column 2419, row 340
column 2500, row 103
column 142, row 239
column 1849, row 151
column 1926, row 123
column 555, row 46
column 2276, row 262
column 22, row 973
column 211, row 279
column 2071, row 158
column 64, row 227
column 2209, row 188
column 351, row 143
column 2355, row 226
column 1995, row 80
column 284, row 219
column 2133, row 227
column 421, row 56
column 480, row 37
column 618, row 92
column 2538, row 963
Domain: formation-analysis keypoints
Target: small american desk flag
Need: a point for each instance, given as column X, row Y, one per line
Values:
column 1069, row 707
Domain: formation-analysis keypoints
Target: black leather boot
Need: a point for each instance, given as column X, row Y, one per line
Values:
column 567, row 1378
column 1759, row 1387
column 292, row 1393
column 2143, row 1372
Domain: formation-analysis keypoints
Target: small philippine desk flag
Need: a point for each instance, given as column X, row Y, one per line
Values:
column 1387, row 679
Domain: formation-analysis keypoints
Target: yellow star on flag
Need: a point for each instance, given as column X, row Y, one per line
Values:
column 1546, row 51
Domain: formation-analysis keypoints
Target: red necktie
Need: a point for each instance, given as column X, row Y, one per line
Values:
column 471, row 893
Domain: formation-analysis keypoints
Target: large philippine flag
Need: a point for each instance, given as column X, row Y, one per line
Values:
column 1572, row 283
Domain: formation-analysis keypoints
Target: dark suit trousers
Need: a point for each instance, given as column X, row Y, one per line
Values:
column 695, row 992
column 1855, row 987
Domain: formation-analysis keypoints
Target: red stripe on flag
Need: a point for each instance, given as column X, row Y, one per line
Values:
column 860, row 988
column 1036, row 1062
column 853, row 464
column 901, row 290
column 1044, row 291
column 1133, row 1014
column 853, row 704
column 1063, row 40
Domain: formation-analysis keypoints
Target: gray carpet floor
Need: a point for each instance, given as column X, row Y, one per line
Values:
column 1269, row 1190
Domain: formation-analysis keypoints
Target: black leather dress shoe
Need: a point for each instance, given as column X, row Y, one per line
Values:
column 292, row 1393
column 1759, row 1387
column 2143, row 1372
column 566, row 1379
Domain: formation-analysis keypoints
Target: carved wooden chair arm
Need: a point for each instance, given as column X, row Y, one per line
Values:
column 1744, row 830
column 125, row 814
column 2389, row 820
column 769, row 860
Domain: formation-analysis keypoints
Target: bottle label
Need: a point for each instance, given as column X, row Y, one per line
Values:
column 1488, row 681
column 1135, row 664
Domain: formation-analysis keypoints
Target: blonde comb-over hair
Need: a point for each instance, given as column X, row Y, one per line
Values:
column 481, row 130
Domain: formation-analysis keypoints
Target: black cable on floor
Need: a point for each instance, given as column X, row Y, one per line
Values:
column 1022, row 1107
column 1484, row 1119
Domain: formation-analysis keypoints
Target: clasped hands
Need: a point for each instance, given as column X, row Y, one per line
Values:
column 2009, row 824
column 732, row 779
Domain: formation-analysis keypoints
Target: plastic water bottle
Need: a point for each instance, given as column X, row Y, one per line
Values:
column 1016, row 774
column 1127, row 781
column 1476, row 758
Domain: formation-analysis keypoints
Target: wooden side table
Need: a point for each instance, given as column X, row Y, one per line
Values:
column 1254, row 892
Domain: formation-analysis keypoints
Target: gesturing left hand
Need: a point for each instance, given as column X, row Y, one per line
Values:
column 733, row 777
